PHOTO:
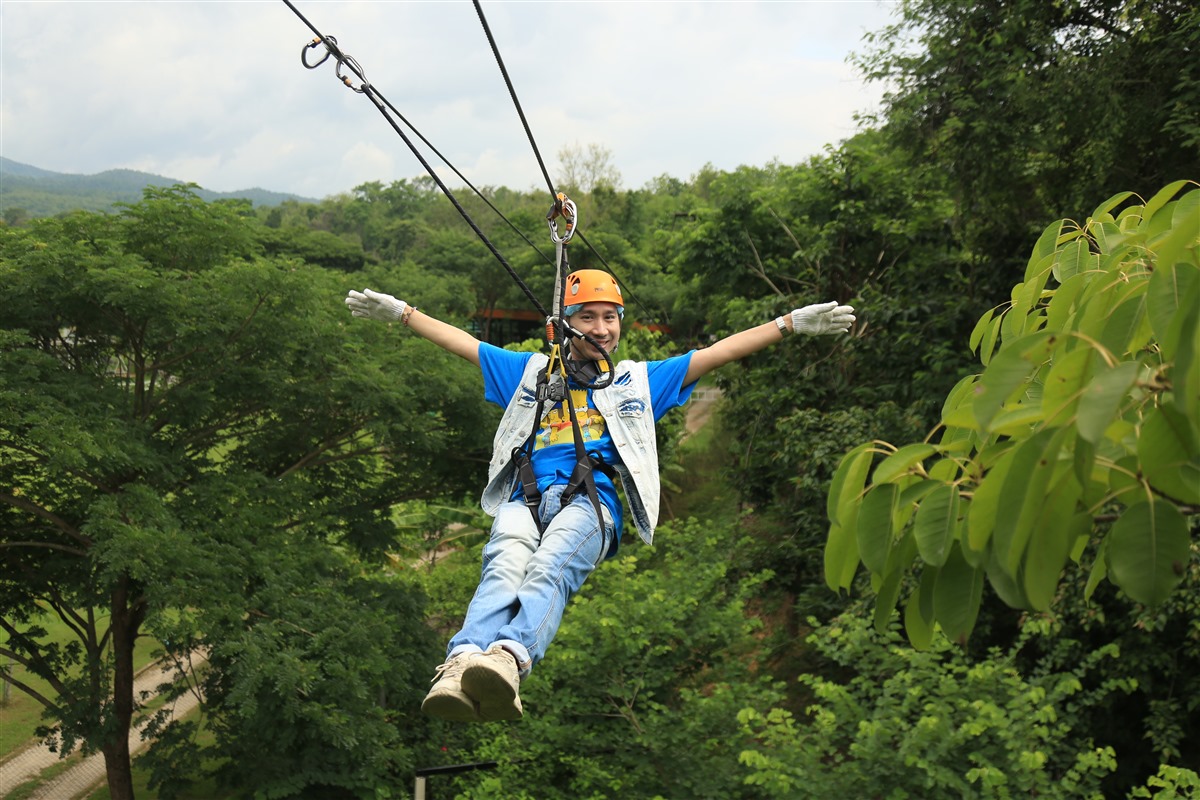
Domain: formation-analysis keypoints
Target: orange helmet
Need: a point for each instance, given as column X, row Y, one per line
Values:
column 592, row 286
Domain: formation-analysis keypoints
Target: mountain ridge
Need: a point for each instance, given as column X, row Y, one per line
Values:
column 30, row 191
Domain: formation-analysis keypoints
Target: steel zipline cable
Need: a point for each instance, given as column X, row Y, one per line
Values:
column 512, row 92
column 382, row 104
column 344, row 60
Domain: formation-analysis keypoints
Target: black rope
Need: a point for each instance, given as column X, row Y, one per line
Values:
column 513, row 93
column 625, row 290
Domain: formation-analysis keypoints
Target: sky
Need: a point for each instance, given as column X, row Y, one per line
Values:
column 214, row 92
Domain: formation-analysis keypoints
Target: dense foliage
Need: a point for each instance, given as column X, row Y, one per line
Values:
column 1087, row 411
column 187, row 431
column 197, row 444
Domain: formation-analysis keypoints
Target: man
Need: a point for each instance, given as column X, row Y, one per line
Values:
column 532, row 566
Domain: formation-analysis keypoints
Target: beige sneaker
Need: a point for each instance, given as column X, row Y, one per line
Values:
column 491, row 678
column 446, row 699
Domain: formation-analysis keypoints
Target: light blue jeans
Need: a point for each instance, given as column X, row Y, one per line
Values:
column 526, row 582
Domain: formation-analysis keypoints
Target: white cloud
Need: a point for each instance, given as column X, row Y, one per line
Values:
column 212, row 91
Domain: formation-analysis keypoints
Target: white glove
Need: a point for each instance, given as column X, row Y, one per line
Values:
column 822, row 318
column 375, row 305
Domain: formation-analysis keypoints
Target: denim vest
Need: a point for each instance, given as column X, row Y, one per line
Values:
column 629, row 418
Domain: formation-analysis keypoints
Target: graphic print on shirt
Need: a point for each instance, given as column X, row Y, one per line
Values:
column 556, row 426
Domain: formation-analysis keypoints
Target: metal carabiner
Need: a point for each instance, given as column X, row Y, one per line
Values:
column 358, row 70
column 564, row 207
column 309, row 46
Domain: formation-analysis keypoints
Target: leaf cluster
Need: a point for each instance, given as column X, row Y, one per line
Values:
column 1087, row 412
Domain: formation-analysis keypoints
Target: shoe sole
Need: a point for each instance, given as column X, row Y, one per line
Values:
column 498, row 701
column 450, row 707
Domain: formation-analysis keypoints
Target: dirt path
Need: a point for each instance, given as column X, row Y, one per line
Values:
column 86, row 774
column 700, row 408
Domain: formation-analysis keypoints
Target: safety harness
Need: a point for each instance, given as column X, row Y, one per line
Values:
column 552, row 385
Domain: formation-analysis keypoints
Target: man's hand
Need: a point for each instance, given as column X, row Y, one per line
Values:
column 375, row 305
column 822, row 318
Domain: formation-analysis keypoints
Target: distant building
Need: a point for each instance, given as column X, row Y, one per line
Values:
column 501, row 326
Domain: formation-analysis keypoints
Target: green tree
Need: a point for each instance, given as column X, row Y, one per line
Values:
column 1032, row 109
column 899, row 722
column 1084, row 425
column 583, row 169
column 168, row 400
column 640, row 693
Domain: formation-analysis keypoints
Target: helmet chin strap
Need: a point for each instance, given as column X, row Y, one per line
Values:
column 587, row 371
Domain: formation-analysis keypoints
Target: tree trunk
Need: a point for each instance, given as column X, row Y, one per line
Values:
column 119, row 769
column 117, row 763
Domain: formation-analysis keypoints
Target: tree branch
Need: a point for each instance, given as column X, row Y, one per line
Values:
column 46, row 514
column 233, row 337
column 41, row 458
column 309, row 458
column 27, row 689
column 761, row 271
column 34, row 662
column 47, row 545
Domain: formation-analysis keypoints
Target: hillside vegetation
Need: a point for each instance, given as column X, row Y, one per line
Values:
column 27, row 192
column 203, row 443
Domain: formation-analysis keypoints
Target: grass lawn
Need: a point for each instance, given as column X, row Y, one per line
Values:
column 22, row 714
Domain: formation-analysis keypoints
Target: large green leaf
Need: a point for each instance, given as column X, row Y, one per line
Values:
column 842, row 505
column 980, row 328
column 1178, row 243
column 874, row 527
column 985, row 503
column 841, row 557
column 1162, row 197
column 1170, row 286
column 1024, row 493
column 899, row 563
column 1045, row 246
column 1008, row 371
column 1063, row 303
column 1028, row 294
column 1105, row 209
column 1148, row 551
column 1072, row 259
column 885, row 600
column 1099, row 570
column 1185, row 376
column 918, row 611
column 1056, row 530
column 936, row 524
column 1064, row 384
column 1124, row 318
column 1102, row 398
column 1009, row 588
column 957, row 594
column 848, row 481
column 1169, row 453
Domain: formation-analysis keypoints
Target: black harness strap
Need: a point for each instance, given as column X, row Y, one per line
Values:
column 581, row 476
column 552, row 387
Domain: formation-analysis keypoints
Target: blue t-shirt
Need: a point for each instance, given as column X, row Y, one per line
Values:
column 554, row 445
